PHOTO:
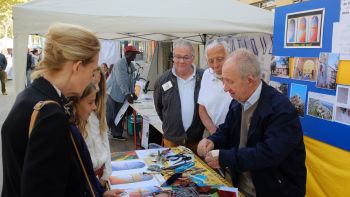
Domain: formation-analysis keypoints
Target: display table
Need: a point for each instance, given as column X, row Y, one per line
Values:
column 145, row 107
column 129, row 172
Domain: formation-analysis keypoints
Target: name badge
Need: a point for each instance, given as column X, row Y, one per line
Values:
column 167, row 86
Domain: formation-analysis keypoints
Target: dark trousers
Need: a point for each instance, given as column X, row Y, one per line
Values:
column 3, row 80
column 112, row 111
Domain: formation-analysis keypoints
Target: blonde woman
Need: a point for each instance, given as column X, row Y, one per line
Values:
column 45, row 163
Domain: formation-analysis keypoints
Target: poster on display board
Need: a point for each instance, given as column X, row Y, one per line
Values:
column 304, row 29
column 305, row 69
column 327, row 70
column 342, row 111
column 281, row 87
column 320, row 105
column 280, row 66
column 298, row 97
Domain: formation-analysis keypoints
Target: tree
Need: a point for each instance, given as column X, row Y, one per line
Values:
column 6, row 16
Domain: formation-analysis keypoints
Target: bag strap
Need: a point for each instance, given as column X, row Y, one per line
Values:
column 35, row 114
column 82, row 165
column 33, row 118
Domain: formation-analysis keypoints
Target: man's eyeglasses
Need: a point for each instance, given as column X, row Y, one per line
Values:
column 184, row 58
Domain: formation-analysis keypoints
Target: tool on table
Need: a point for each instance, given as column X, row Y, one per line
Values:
column 154, row 168
column 184, row 167
column 180, row 158
column 171, row 179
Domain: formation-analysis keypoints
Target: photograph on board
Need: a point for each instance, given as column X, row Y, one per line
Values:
column 304, row 29
column 280, row 66
column 301, row 30
column 320, row 105
column 298, row 97
column 327, row 70
column 314, row 30
column 281, row 87
column 342, row 115
column 291, row 32
column 342, row 95
column 305, row 68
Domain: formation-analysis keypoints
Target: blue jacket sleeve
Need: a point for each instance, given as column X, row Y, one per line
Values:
column 281, row 133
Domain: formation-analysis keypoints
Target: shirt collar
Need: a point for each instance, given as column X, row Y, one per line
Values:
column 213, row 76
column 58, row 91
column 191, row 77
column 253, row 98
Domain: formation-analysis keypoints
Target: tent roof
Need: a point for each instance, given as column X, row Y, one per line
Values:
column 144, row 19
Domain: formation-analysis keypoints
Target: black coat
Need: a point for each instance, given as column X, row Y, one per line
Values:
column 275, row 151
column 46, row 164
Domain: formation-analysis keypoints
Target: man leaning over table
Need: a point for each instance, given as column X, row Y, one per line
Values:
column 120, row 87
column 261, row 142
column 175, row 98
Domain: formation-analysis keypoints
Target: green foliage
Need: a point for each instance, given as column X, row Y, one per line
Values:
column 6, row 16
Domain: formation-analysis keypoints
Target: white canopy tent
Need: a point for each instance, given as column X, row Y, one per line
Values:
column 160, row 20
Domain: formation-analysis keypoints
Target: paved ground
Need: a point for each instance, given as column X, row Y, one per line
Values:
column 6, row 103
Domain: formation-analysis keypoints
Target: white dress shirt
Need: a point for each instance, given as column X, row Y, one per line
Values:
column 253, row 98
column 213, row 97
column 186, row 91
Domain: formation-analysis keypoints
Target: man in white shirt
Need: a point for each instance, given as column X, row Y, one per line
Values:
column 213, row 101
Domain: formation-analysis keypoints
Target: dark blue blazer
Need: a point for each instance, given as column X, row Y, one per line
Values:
column 45, row 164
column 275, row 151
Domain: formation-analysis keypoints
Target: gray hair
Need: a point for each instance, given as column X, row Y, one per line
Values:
column 182, row 43
column 214, row 43
column 246, row 62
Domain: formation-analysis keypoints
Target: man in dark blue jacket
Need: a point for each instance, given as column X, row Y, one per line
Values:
column 261, row 142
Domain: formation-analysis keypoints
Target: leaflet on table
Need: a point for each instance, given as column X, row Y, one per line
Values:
column 145, row 132
column 123, row 180
column 148, row 153
column 121, row 112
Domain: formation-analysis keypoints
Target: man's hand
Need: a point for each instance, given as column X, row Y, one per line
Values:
column 112, row 193
column 204, row 147
column 130, row 98
column 212, row 159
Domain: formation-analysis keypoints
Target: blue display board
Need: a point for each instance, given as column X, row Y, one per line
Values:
column 330, row 132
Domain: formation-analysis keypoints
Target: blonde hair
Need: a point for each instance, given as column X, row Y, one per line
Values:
column 66, row 42
column 81, row 124
column 101, row 103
